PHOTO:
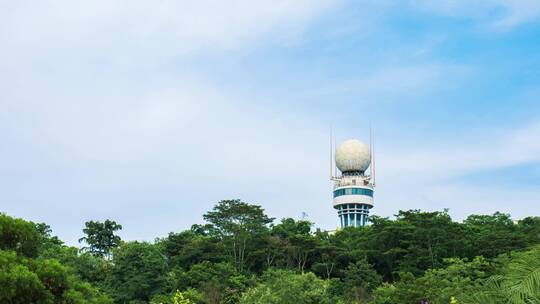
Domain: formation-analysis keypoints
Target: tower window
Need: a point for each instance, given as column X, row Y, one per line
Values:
column 353, row 191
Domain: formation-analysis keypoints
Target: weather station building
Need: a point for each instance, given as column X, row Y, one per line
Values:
column 353, row 186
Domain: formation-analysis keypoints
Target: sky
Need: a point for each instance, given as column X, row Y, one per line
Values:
column 150, row 112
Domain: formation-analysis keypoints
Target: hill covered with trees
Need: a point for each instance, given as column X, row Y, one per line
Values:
column 241, row 255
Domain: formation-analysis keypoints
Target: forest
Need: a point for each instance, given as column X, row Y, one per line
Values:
column 241, row 255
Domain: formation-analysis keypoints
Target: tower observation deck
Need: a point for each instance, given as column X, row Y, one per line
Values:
column 353, row 188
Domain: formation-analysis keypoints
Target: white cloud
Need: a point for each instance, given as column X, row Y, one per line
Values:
column 98, row 125
column 517, row 12
column 159, row 28
column 495, row 14
column 391, row 83
column 112, row 154
column 470, row 153
column 425, row 176
column 159, row 153
column 92, row 136
column 464, row 199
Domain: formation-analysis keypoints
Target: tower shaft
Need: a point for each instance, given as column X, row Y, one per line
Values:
column 353, row 198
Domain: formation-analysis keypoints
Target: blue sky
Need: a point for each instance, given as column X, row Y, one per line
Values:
column 149, row 112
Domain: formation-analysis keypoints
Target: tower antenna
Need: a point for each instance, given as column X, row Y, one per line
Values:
column 331, row 156
column 370, row 151
column 335, row 167
column 373, row 157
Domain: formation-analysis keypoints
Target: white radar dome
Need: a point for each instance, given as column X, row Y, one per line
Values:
column 353, row 155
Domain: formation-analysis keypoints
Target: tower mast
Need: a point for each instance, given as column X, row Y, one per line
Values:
column 373, row 158
column 331, row 157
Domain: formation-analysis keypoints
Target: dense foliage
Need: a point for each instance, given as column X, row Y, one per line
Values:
column 240, row 255
column 27, row 276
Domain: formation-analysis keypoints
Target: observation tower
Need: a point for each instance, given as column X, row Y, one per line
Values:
column 353, row 187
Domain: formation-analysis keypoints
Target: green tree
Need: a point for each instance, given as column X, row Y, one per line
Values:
column 101, row 237
column 459, row 278
column 47, row 240
column 187, row 248
column 492, row 235
column 385, row 244
column 84, row 293
column 273, row 250
column 53, row 275
column 179, row 298
column 19, row 235
column 434, row 237
column 236, row 224
column 287, row 287
column 328, row 256
column 139, row 272
column 30, row 271
column 517, row 283
column 530, row 229
column 414, row 242
column 43, row 281
column 88, row 267
column 219, row 283
column 299, row 243
column 359, row 281
column 20, row 285
column 419, row 255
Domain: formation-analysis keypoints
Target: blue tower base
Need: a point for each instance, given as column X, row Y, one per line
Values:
column 353, row 215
